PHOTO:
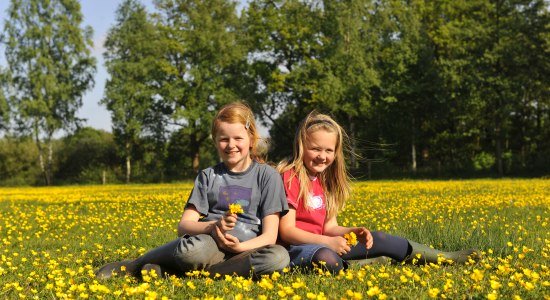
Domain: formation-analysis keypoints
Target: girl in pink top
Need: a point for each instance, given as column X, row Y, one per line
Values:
column 317, row 186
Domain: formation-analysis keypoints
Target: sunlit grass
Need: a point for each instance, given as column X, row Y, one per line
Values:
column 52, row 239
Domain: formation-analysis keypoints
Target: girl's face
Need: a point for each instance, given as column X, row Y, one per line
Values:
column 320, row 147
column 233, row 145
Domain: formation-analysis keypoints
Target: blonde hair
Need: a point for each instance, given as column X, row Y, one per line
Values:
column 238, row 112
column 335, row 179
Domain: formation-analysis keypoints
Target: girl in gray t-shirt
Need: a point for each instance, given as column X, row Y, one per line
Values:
column 210, row 236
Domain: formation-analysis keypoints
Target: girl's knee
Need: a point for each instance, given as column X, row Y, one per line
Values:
column 328, row 259
column 269, row 259
column 197, row 252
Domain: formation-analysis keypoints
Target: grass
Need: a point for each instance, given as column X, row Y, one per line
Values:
column 52, row 239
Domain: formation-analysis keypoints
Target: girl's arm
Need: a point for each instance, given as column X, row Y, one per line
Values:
column 189, row 223
column 333, row 229
column 290, row 234
column 270, row 225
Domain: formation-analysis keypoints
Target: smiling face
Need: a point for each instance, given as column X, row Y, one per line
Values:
column 319, row 152
column 233, row 145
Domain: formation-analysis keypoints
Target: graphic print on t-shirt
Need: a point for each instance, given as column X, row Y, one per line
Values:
column 235, row 194
column 315, row 202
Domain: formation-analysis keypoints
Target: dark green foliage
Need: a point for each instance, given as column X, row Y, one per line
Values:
column 179, row 160
column 87, row 156
column 18, row 163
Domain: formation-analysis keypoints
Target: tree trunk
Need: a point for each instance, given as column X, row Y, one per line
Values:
column 40, row 154
column 498, row 148
column 128, row 162
column 413, row 148
column 353, row 143
column 49, row 162
column 196, row 160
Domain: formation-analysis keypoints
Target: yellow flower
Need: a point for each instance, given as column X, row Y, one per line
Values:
column 433, row 292
column 373, row 291
column 235, row 208
column 495, row 285
column 351, row 238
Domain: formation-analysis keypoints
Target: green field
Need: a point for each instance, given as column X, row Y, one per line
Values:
column 52, row 240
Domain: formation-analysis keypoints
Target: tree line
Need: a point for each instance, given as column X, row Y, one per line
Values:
column 423, row 88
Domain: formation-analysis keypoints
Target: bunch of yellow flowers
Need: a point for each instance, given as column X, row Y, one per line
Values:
column 351, row 238
column 235, row 208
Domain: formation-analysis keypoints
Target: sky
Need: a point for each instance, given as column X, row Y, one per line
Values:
column 100, row 15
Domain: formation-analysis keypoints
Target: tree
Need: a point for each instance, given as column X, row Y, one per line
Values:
column 50, row 65
column 131, row 60
column 282, row 38
column 199, row 64
column 4, row 107
column 18, row 165
column 87, row 156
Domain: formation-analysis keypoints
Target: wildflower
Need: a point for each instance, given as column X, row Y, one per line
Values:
column 235, row 208
column 351, row 238
column 477, row 275
column 354, row 295
column 495, row 285
column 492, row 296
column 298, row 284
column 433, row 292
column 373, row 291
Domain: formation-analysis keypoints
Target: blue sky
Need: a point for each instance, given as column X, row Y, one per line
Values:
column 100, row 15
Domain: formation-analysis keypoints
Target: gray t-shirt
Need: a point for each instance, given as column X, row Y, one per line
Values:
column 259, row 190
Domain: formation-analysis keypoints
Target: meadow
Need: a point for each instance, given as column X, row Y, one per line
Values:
column 53, row 239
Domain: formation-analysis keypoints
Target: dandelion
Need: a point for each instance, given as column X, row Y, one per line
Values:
column 235, row 208
column 351, row 238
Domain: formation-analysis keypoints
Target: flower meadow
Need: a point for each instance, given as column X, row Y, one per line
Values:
column 53, row 239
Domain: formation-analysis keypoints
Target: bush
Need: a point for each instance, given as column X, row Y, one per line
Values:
column 483, row 161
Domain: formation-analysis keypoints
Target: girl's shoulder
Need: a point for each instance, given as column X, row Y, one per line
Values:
column 289, row 176
column 266, row 169
column 289, row 173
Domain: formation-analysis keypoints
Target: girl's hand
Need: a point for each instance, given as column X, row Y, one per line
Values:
column 227, row 241
column 364, row 236
column 227, row 222
column 338, row 244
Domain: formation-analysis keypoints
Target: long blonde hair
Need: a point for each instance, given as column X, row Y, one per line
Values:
column 238, row 112
column 335, row 179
